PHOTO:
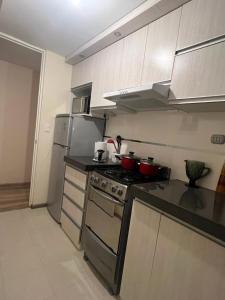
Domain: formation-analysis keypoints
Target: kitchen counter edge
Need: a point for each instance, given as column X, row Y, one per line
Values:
column 86, row 163
column 210, row 229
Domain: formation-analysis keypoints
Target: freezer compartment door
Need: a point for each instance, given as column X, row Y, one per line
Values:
column 56, row 181
column 85, row 132
column 62, row 130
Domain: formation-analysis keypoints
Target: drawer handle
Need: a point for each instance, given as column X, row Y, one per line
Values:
column 106, row 196
column 73, row 202
column 75, row 185
column 69, row 217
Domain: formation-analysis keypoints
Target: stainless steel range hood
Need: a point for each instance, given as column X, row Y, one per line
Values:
column 142, row 98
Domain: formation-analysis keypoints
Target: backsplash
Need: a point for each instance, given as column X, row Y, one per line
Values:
column 180, row 136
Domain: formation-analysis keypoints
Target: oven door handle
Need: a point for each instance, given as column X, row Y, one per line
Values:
column 104, row 195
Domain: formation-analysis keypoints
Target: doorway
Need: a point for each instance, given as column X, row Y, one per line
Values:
column 20, row 68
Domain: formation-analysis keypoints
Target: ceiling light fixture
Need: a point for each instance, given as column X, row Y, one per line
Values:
column 117, row 34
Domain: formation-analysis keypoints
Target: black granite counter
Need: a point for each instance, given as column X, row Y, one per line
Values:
column 199, row 207
column 86, row 163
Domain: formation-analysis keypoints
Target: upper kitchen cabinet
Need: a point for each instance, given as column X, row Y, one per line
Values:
column 199, row 73
column 82, row 72
column 106, row 73
column 133, row 58
column 201, row 20
column 160, row 48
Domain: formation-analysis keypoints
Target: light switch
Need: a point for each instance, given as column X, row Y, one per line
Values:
column 47, row 127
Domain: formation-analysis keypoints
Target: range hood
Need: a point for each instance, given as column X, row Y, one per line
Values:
column 142, row 98
column 111, row 110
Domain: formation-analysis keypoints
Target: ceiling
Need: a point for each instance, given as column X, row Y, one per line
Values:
column 61, row 26
column 19, row 55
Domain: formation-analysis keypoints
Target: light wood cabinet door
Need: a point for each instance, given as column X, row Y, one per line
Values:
column 133, row 58
column 140, row 253
column 82, row 72
column 106, row 73
column 199, row 73
column 160, row 48
column 187, row 265
column 201, row 20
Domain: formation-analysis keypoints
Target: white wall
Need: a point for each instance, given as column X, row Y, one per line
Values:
column 55, row 99
column 18, row 104
column 190, row 131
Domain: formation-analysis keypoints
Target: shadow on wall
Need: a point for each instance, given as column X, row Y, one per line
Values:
column 32, row 124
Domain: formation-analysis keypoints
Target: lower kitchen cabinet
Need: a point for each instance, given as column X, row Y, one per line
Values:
column 77, row 177
column 140, row 253
column 71, row 229
column 187, row 265
column 167, row 260
column 73, row 204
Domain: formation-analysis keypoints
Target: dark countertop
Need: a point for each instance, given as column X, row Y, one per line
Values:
column 86, row 163
column 199, row 207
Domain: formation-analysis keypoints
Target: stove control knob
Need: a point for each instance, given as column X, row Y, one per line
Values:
column 92, row 178
column 120, row 192
column 96, row 180
column 114, row 189
column 104, row 183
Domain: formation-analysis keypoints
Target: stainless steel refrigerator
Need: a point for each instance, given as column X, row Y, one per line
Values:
column 73, row 135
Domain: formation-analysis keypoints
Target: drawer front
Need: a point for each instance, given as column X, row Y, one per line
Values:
column 73, row 211
column 78, row 178
column 71, row 230
column 76, row 195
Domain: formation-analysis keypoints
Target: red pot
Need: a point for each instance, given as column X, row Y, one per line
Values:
column 129, row 161
column 148, row 167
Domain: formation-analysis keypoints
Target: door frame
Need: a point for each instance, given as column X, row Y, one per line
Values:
column 39, row 104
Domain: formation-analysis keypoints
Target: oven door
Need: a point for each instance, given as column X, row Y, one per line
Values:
column 104, row 217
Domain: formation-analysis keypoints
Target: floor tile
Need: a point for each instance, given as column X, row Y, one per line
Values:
column 38, row 261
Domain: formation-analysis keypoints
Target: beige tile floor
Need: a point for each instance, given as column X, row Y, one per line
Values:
column 38, row 262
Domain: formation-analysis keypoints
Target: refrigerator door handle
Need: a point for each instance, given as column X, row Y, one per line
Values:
column 65, row 147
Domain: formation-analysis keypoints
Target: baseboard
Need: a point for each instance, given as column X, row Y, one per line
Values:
column 15, row 185
column 38, row 205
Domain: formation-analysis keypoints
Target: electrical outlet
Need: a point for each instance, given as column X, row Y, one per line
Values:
column 218, row 139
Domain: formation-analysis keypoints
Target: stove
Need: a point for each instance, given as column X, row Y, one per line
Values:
column 133, row 177
column 116, row 182
column 107, row 220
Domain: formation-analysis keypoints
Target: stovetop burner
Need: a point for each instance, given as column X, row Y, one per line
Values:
column 133, row 177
